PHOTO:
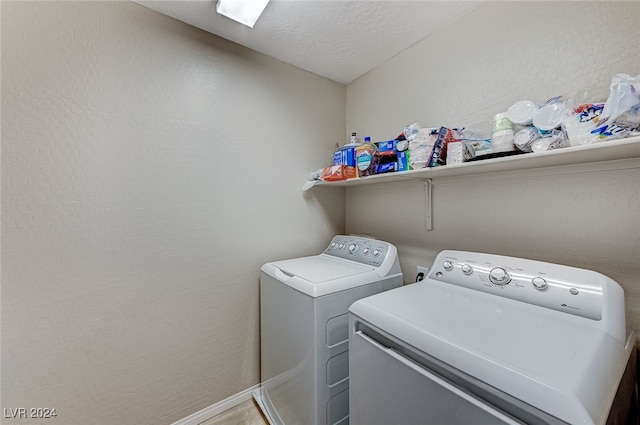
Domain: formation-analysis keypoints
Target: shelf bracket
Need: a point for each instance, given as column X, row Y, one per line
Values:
column 427, row 207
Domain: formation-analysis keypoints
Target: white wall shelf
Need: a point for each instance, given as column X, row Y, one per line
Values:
column 598, row 152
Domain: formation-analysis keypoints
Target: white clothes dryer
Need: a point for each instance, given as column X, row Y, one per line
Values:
column 304, row 327
column 488, row 339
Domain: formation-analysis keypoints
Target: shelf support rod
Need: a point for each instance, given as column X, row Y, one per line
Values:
column 428, row 210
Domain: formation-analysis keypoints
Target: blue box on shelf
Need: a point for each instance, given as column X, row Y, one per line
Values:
column 403, row 161
column 388, row 146
column 346, row 155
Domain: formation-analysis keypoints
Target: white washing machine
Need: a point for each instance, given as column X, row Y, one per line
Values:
column 304, row 327
column 488, row 339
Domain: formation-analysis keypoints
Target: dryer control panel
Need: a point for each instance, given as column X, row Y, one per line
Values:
column 567, row 289
column 355, row 248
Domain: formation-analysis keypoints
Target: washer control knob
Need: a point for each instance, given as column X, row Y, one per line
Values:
column 340, row 245
column 353, row 248
column 466, row 269
column 448, row 265
column 366, row 251
column 376, row 252
column 539, row 283
column 499, row 276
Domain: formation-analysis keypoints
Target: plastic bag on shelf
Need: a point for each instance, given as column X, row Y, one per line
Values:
column 580, row 124
column 582, row 131
column 623, row 104
column 557, row 139
column 421, row 146
column 616, row 118
column 313, row 178
column 411, row 131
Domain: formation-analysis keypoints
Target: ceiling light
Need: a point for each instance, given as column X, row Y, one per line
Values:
column 246, row 12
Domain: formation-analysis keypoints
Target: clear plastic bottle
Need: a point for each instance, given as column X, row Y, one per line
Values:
column 353, row 140
column 366, row 158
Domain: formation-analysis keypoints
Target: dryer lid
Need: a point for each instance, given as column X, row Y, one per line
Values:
column 544, row 357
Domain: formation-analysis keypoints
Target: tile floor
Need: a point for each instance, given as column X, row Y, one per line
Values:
column 246, row 413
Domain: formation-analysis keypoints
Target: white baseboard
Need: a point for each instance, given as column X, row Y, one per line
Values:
column 215, row 409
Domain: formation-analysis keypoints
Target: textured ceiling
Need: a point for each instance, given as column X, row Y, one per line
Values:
column 337, row 39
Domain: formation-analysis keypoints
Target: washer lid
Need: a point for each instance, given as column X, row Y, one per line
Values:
column 541, row 356
column 320, row 268
column 322, row 274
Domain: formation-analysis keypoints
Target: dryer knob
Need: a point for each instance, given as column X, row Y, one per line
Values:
column 499, row 276
column 353, row 248
column 447, row 265
column 466, row 269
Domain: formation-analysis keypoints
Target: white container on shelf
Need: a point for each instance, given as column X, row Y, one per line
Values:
column 502, row 134
column 521, row 113
column 549, row 116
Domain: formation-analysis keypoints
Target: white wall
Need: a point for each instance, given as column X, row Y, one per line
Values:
column 148, row 171
column 499, row 53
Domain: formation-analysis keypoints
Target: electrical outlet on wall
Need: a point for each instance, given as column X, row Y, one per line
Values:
column 421, row 273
